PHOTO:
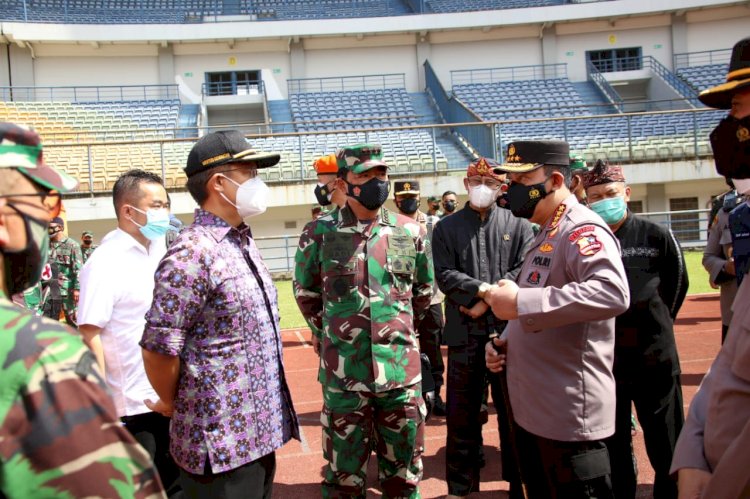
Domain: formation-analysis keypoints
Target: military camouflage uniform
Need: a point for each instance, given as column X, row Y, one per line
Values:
column 67, row 255
column 86, row 252
column 59, row 435
column 360, row 286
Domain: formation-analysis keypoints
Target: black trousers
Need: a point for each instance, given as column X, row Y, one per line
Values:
column 430, row 331
column 566, row 470
column 466, row 384
column 151, row 430
column 253, row 480
column 658, row 403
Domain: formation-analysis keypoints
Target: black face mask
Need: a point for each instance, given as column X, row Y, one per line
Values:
column 730, row 141
column 87, row 242
column 23, row 268
column 322, row 193
column 450, row 206
column 524, row 198
column 372, row 194
column 408, row 205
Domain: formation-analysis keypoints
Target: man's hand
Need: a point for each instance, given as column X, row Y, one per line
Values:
column 729, row 267
column 76, row 294
column 160, row 406
column 315, row 344
column 476, row 311
column 691, row 482
column 495, row 360
column 503, row 298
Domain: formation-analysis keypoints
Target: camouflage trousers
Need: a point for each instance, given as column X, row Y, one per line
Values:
column 70, row 308
column 391, row 423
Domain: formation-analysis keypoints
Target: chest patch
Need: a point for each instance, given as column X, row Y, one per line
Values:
column 534, row 277
column 541, row 261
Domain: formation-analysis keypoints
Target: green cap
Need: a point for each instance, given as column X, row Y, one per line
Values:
column 87, row 233
column 577, row 163
column 360, row 158
column 21, row 148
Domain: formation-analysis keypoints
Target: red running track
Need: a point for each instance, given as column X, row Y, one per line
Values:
column 299, row 464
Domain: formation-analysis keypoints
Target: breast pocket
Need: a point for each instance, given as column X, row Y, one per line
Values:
column 401, row 263
column 340, row 281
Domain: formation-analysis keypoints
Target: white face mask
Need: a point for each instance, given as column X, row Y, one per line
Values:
column 482, row 196
column 252, row 197
column 742, row 185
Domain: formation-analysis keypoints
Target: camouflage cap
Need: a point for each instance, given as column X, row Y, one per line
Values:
column 21, row 148
column 360, row 158
column 577, row 163
column 433, row 199
column 87, row 233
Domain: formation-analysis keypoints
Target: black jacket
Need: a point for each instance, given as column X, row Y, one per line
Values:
column 658, row 280
column 468, row 251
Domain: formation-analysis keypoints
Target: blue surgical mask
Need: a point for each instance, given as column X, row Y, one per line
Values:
column 157, row 222
column 612, row 210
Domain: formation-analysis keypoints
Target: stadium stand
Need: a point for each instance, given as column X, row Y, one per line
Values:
column 100, row 120
column 702, row 77
column 450, row 6
column 393, row 105
column 192, row 11
column 522, row 99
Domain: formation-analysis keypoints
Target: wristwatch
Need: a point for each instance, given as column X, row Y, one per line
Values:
column 483, row 288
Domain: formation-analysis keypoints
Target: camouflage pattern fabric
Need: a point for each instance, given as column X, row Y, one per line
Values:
column 86, row 252
column 67, row 255
column 391, row 422
column 359, row 287
column 59, row 434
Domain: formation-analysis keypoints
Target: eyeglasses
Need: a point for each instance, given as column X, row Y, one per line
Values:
column 489, row 182
column 51, row 201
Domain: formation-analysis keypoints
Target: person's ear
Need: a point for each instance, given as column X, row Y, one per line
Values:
column 466, row 184
column 627, row 193
column 558, row 180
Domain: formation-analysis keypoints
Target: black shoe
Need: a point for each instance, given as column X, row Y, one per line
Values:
column 484, row 414
column 439, row 408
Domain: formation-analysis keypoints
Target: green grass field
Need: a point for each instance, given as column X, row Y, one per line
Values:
column 291, row 318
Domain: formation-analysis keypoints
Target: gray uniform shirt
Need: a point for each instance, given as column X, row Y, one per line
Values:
column 716, row 435
column 561, row 347
column 718, row 250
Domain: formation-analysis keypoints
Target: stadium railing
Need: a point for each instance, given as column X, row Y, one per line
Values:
column 346, row 83
column 510, row 73
column 413, row 149
column 703, row 58
column 80, row 94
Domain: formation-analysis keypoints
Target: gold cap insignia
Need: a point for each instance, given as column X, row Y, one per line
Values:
column 407, row 186
column 511, row 150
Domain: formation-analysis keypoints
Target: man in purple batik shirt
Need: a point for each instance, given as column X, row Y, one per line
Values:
column 211, row 346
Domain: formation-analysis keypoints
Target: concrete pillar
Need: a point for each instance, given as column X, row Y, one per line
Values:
column 656, row 198
column 679, row 37
column 21, row 67
column 424, row 51
column 4, row 74
column 297, row 65
column 166, row 65
column 549, row 48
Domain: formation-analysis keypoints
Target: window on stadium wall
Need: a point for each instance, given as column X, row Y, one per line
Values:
column 233, row 83
column 635, row 206
column 685, row 226
column 609, row 60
